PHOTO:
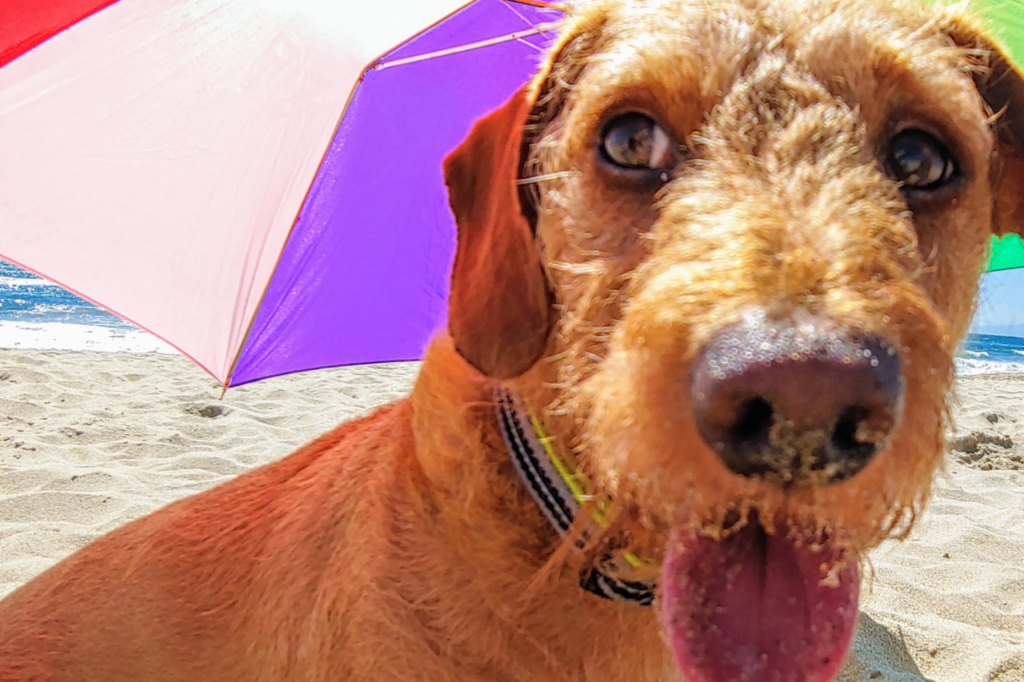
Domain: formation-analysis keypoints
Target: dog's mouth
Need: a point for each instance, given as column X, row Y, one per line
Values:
column 761, row 606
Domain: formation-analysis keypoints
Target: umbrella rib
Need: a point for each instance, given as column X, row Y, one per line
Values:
column 561, row 7
column 564, row 8
column 509, row 5
column 541, row 28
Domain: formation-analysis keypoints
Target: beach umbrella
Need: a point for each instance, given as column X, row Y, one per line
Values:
column 257, row 182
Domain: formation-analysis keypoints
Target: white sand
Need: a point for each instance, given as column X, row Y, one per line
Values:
column 89, row 441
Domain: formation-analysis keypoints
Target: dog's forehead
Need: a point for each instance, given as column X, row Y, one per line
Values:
column 724, row 28
column 699, row 48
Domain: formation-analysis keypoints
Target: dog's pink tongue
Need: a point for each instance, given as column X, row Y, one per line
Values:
column 758, row 608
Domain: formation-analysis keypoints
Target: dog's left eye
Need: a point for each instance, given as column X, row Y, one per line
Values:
column 920, row 161
column 634, row 141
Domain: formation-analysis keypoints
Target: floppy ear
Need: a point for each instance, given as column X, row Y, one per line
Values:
column 500, row 305
column 1001, row 85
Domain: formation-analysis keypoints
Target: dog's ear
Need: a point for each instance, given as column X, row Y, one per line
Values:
column 1001, row 85
column 500, row 305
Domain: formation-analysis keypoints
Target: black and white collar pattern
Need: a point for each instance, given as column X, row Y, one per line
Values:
column 552, row 494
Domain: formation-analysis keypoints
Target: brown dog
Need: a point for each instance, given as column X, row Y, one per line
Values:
column 718, row 254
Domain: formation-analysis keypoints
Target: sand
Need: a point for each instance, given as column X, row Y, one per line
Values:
column 89, row 441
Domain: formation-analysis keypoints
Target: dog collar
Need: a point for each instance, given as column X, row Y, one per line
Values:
column 560, row 489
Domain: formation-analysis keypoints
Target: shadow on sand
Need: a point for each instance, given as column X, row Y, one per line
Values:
column 879, row 654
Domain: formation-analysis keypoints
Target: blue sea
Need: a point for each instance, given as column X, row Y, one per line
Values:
column 36, row 314
column 990, row 354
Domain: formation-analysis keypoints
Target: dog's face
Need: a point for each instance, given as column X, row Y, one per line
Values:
column 733, row 245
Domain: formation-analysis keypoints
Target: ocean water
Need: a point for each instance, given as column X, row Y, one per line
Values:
column 40, row 315
column 990, row 354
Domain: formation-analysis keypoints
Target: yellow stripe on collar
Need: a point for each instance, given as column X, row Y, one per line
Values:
column 561, row 490
column 604, row 510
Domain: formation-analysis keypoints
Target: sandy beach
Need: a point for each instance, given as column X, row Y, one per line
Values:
column 89, row 441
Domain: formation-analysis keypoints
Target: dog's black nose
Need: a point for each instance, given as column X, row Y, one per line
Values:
column 796, row 402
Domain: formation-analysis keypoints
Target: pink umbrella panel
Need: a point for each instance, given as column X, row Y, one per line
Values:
column 248, row 180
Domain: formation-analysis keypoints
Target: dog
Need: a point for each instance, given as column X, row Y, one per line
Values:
column 713, row 264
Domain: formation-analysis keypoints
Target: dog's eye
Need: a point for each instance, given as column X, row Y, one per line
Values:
column 920, row 161
column 635, row 141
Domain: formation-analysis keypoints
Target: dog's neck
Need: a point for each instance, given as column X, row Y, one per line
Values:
column 519, row 582
column 504, row 482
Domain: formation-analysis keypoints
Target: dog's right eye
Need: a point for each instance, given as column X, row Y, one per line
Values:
column 634, row 141
column 920, row 161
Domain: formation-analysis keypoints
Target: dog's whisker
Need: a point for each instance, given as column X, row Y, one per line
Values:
column 582, row 269
column 544, row 178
